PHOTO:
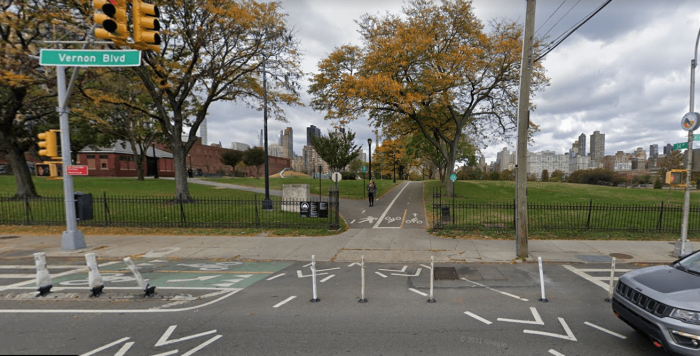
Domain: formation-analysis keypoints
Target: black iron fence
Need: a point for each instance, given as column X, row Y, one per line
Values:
column 659, row 217
column 205, row 212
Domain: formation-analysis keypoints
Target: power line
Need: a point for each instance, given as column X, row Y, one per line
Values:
column 550, row 16
column 555, row 25
column 551, row 47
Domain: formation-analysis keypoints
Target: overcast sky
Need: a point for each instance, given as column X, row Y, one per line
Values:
column 626, row 72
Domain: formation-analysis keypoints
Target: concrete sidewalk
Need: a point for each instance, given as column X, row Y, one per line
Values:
column 382, row 245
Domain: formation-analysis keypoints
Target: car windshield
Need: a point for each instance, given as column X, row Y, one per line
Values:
column 691, row 263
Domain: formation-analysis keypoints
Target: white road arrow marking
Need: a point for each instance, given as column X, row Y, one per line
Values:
column 164, row 339
column 300, row 275
column 284, row 302
column 393, row 270
column 124, row 349
column 202, row 345
column 605, row 330
column 417, row 291
column 273, row 277
column 555, row 353
column 408, row 275
column 495, row 290
column 200, row 278
column 569, row 335
column 105, row 347
column 350, row 265
column 327, row 269
column 173, row 352
column 535, row 314
column 380, row 274
column 370, row 219
column 327, row 278
column 478, row 318
column 428, row 267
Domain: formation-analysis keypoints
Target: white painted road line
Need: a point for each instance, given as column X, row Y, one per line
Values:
column 478, row 318
column 535, row 314
column 202, row 345
column 300, row 275
column 50, row 267
column 353, row 221
column 496, row 290
column 380, row 274
column 417, row 291
column 164, row 338
column 105, row 347
column 606, row 270
column 284, row 301
column 585, row 276
column 17, row 276
column 427, row 267
column 555, row 353
column 408, row 275
column 381, row 218
column 327, row 278
column 354, row 263
column 273, row 277
column 31, row 281
column 605, row 330
column 124, row 349
column 395, row 270
column 569, row 335
column 327, row 269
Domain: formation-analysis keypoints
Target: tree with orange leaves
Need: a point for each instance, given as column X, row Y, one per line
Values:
column 433, row 71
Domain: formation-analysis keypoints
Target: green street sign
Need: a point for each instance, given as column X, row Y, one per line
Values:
column 364, row 169
column 90, row 58
column 453, row 177
column 680, row 146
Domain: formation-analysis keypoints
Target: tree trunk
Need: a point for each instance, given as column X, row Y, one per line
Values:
column 182, row 190
column 23, row 178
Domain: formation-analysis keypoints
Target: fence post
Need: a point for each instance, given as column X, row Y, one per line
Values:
column 661, row 216
column 255, row 204
column 590, row 208
column 105, row 208
column 26, row 209
column 182, row 214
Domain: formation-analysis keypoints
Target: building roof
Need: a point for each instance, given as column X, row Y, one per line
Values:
column 123, row 147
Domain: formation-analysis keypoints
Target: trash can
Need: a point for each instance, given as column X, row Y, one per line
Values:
column 445, row 215
column 83, row 206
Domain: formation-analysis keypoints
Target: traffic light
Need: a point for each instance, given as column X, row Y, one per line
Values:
column 674, row 177
column 146, row 26
column 113, row 20
column 50, row 142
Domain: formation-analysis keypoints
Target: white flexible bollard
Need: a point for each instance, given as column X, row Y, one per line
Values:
column 147, row 289
column 543, row 299
column 313, row 279
column 95, row 280
column 362, row 292
column 43, row 278
column 612, row 282
column 432, row 277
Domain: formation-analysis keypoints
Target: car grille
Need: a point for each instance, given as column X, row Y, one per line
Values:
column 652, row 306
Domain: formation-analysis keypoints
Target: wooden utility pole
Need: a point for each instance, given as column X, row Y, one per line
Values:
column 521, row 248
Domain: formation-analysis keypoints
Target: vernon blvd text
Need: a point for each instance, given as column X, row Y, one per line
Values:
column 106, row 58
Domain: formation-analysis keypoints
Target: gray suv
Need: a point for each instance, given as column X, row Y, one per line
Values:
column 663, row 302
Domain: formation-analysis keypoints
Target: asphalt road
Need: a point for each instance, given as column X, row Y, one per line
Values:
column 263, row 308
column 400, row 208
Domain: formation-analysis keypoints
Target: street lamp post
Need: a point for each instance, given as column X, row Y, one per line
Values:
column 394, row 154
column 369, row 142
column 267, row 203
column 155, row 158
column 683, row 246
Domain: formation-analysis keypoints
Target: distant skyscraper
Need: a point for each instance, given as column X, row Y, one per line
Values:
column 280, row 138
column 597, row 148
column 260, row 139
column 312, row 131
column 668, row 149
column 582, row 144
column 288, row 143
column 653, row 151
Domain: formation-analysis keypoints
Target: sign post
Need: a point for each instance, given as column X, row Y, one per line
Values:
column 364, row 185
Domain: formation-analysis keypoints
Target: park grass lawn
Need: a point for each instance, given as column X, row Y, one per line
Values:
column 554, row 193
column 162, row 188
column 349, row 189
column 561, row 193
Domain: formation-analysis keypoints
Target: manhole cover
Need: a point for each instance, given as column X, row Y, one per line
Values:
column 621, row 256
column 8, row 237
column 594, row 258
column 446, row 273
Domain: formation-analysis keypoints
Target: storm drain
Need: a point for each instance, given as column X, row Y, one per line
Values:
column 446, row 274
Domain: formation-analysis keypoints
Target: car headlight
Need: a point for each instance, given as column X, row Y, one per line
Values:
column 686, row 316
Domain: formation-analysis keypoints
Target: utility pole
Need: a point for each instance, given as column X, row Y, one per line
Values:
column 521, row 248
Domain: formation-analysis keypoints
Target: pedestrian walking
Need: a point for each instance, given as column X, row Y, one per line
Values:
column 371, row 192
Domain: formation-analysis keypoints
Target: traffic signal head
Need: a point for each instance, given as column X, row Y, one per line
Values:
column 49, row 144
column 113, row 20
column 146, row 26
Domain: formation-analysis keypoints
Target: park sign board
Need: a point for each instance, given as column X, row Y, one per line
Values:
column 90, row 58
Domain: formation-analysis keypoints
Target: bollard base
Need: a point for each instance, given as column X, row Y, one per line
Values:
column 97, row 291
column 44, row 290
column 431, row 300
column 362, row 300
column 315, row 300
column 149, row 291
column 544, row 300
column 608, row 300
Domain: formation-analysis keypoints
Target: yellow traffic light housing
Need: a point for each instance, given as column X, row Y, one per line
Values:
column 112, row 19
column 146, row 26
column 674, row 177
column 50, row 144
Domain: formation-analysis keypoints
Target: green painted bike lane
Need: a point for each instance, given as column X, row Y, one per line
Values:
column 180, row 274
